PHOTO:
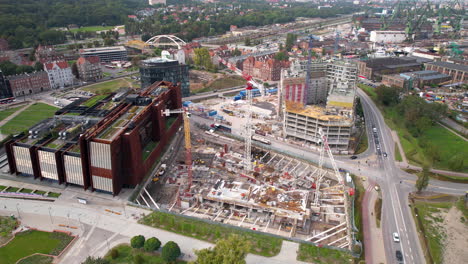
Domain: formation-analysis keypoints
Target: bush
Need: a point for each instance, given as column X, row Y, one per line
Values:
column 114, row 253
column 170, row 251
column 137, row 241
column 152, row 244
column 138, row 259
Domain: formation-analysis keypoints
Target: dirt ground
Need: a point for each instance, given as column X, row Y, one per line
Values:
column 457, row 237
column 198, row 79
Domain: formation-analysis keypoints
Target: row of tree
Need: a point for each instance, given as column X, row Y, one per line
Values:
column 9, row 68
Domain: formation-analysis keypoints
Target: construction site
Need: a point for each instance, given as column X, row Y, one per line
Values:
column 238, row 182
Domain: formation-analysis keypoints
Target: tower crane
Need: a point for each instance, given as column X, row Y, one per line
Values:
column 325, row 147
column 248, row 125
column 188, row 145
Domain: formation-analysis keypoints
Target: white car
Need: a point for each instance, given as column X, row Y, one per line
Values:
column 396, row 237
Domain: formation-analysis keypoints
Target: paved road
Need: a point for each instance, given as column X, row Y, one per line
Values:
column 105, row 230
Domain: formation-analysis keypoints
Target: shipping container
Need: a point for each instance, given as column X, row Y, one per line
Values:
column 186, row 103
column 212, row 113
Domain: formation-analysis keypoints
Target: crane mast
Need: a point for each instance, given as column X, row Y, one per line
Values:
column 248, row 130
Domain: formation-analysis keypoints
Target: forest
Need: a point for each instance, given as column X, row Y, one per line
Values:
column 26, row 23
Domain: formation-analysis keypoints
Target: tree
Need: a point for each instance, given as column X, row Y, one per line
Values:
column 170, row 251
column 423, row 180
column 152, row 244
column 137, row 241
column 231, row 250
column 202, row 58
column 281, row 56
column 157, row 52
column 236, row 52
column 388, row 96
column 91, row 260
column 96, row 43
column 247, row 42
column 109, row 42
column 145, row 37
column 74, row 69
column 290, row 41
column 38, row 66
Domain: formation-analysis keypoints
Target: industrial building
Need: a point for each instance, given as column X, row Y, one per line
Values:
column 387, row 36
column 101, row 143
column 303, row 121
column 458, row 72
column 106, row 54
column 159, row 69
column 410, row 80
column 375, row 68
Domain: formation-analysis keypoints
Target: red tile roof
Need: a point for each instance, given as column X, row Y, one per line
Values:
column 61, row 64
column 92, row 59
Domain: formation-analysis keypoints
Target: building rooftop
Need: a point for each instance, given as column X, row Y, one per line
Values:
column 449, row 65
column 102, row 49
column 314, row 111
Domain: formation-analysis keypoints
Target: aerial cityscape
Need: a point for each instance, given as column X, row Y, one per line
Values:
column 233, row 131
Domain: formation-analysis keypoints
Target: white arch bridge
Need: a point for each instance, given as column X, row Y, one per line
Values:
column 168, row 40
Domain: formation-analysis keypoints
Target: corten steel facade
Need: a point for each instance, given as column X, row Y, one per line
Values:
column 110, row 154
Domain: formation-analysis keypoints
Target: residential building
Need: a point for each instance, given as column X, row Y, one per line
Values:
column 47, row 54
column 164, row 69
column 266, row 70
column 103, row 146
column 458, row 72
column 106, row 54
column 375, row 68
column 89, row 68
column 5, row 91
column 60, row 74
column 29, row 83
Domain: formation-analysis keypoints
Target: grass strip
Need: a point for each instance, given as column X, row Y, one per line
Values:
column 262, row 244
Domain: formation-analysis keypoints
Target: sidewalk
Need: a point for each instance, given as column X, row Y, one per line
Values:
column 373, row 237
column 403, row 165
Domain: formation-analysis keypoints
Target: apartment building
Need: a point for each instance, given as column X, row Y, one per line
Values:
column 29, row 83
column 89, row 68
column 60, row 74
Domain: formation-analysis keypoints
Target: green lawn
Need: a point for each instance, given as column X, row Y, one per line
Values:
column 449, row 145
column 94, row 100
column 33, row 241
column 91, row 29
column 148, row 149
column 370, row 91
column 107, row 87
column 363, row 143
column 6, row 113
column 397, row 153
column 313, row 254
column 127, row 253
column 37, row 259
column 262, row 244
column 29, row 117
column 222, row 83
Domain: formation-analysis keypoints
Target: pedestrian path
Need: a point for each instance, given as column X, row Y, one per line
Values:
column 4, row 121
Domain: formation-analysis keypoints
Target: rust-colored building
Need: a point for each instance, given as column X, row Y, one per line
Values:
column 29, row 83
column 109, row 145
column 375, row 68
